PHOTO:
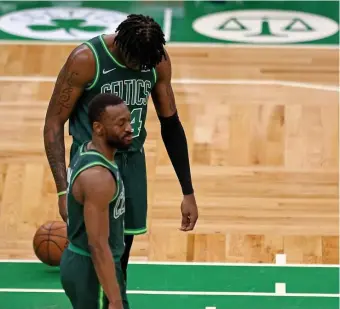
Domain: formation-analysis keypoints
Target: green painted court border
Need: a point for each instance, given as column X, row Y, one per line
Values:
column 196, row 299
column 166, row 14
column 183, row 45
column 279, row 263
column 188, row 293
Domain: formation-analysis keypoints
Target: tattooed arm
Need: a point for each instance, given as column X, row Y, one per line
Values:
column 175, row 141
column 76, row 73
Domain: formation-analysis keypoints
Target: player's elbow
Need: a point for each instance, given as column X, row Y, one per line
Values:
column 53, row 122
column 52, row 130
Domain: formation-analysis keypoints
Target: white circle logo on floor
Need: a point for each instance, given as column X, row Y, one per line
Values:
column 67, row 24
column 265, row 26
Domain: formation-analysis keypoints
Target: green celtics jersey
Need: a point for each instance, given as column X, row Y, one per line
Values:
column 76, row 230
column 134, row 87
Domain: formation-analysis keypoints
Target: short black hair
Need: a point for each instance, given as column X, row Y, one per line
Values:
column 99, row 103
column 140, row 37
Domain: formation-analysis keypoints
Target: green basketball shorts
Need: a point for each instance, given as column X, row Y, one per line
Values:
column 80, row 282
column 132, row 167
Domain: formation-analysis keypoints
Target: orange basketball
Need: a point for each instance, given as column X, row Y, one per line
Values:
column 49, row 242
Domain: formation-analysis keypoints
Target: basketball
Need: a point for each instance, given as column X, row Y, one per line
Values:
column 49, row 242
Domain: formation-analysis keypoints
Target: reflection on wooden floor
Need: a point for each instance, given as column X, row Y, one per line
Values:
column 264, row 156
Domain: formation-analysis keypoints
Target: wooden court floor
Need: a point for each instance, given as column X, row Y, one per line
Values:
column 262, row 128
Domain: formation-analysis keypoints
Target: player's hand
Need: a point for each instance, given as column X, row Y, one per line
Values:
column 189, row 212
column 62, row 207
column 116, row 305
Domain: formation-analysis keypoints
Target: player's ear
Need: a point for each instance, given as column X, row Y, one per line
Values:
column 98, row 128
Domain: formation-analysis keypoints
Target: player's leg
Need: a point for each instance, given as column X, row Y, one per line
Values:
column 122, row 285
column 128, row 239
column 80, row 282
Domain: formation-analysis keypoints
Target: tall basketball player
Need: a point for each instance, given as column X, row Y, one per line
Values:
column 131, row 63
column 90, row 267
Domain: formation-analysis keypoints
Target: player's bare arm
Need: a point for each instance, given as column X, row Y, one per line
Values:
column 162, row 94
column 175, row 140
column 95, row 189
column 68, row 88
column 71, row 81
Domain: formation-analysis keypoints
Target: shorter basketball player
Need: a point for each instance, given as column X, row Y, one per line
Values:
column 91, row 272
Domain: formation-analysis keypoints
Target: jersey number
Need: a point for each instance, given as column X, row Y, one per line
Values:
column 136, row 122
column 119, row 207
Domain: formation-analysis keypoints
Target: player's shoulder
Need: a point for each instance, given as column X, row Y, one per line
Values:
column 82, row 61
column 163, row 69
column 97, row 180
column 96, row 175
column 166, row 60
column 98, row 172
column 82, row 55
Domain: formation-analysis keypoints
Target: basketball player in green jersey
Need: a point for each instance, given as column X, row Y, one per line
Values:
column 90, row 268
column 133, row 64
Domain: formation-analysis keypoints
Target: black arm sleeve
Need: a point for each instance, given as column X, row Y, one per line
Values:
column 176, row 145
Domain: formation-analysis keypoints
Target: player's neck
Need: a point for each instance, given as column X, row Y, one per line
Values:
column 116, row 52
column 113, row 48
column 107, row 151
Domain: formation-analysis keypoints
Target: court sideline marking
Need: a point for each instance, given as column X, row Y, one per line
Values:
column 195, row 81
column 147, row 292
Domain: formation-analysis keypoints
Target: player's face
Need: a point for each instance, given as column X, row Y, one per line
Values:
column 133, row 64
column 117, row 126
